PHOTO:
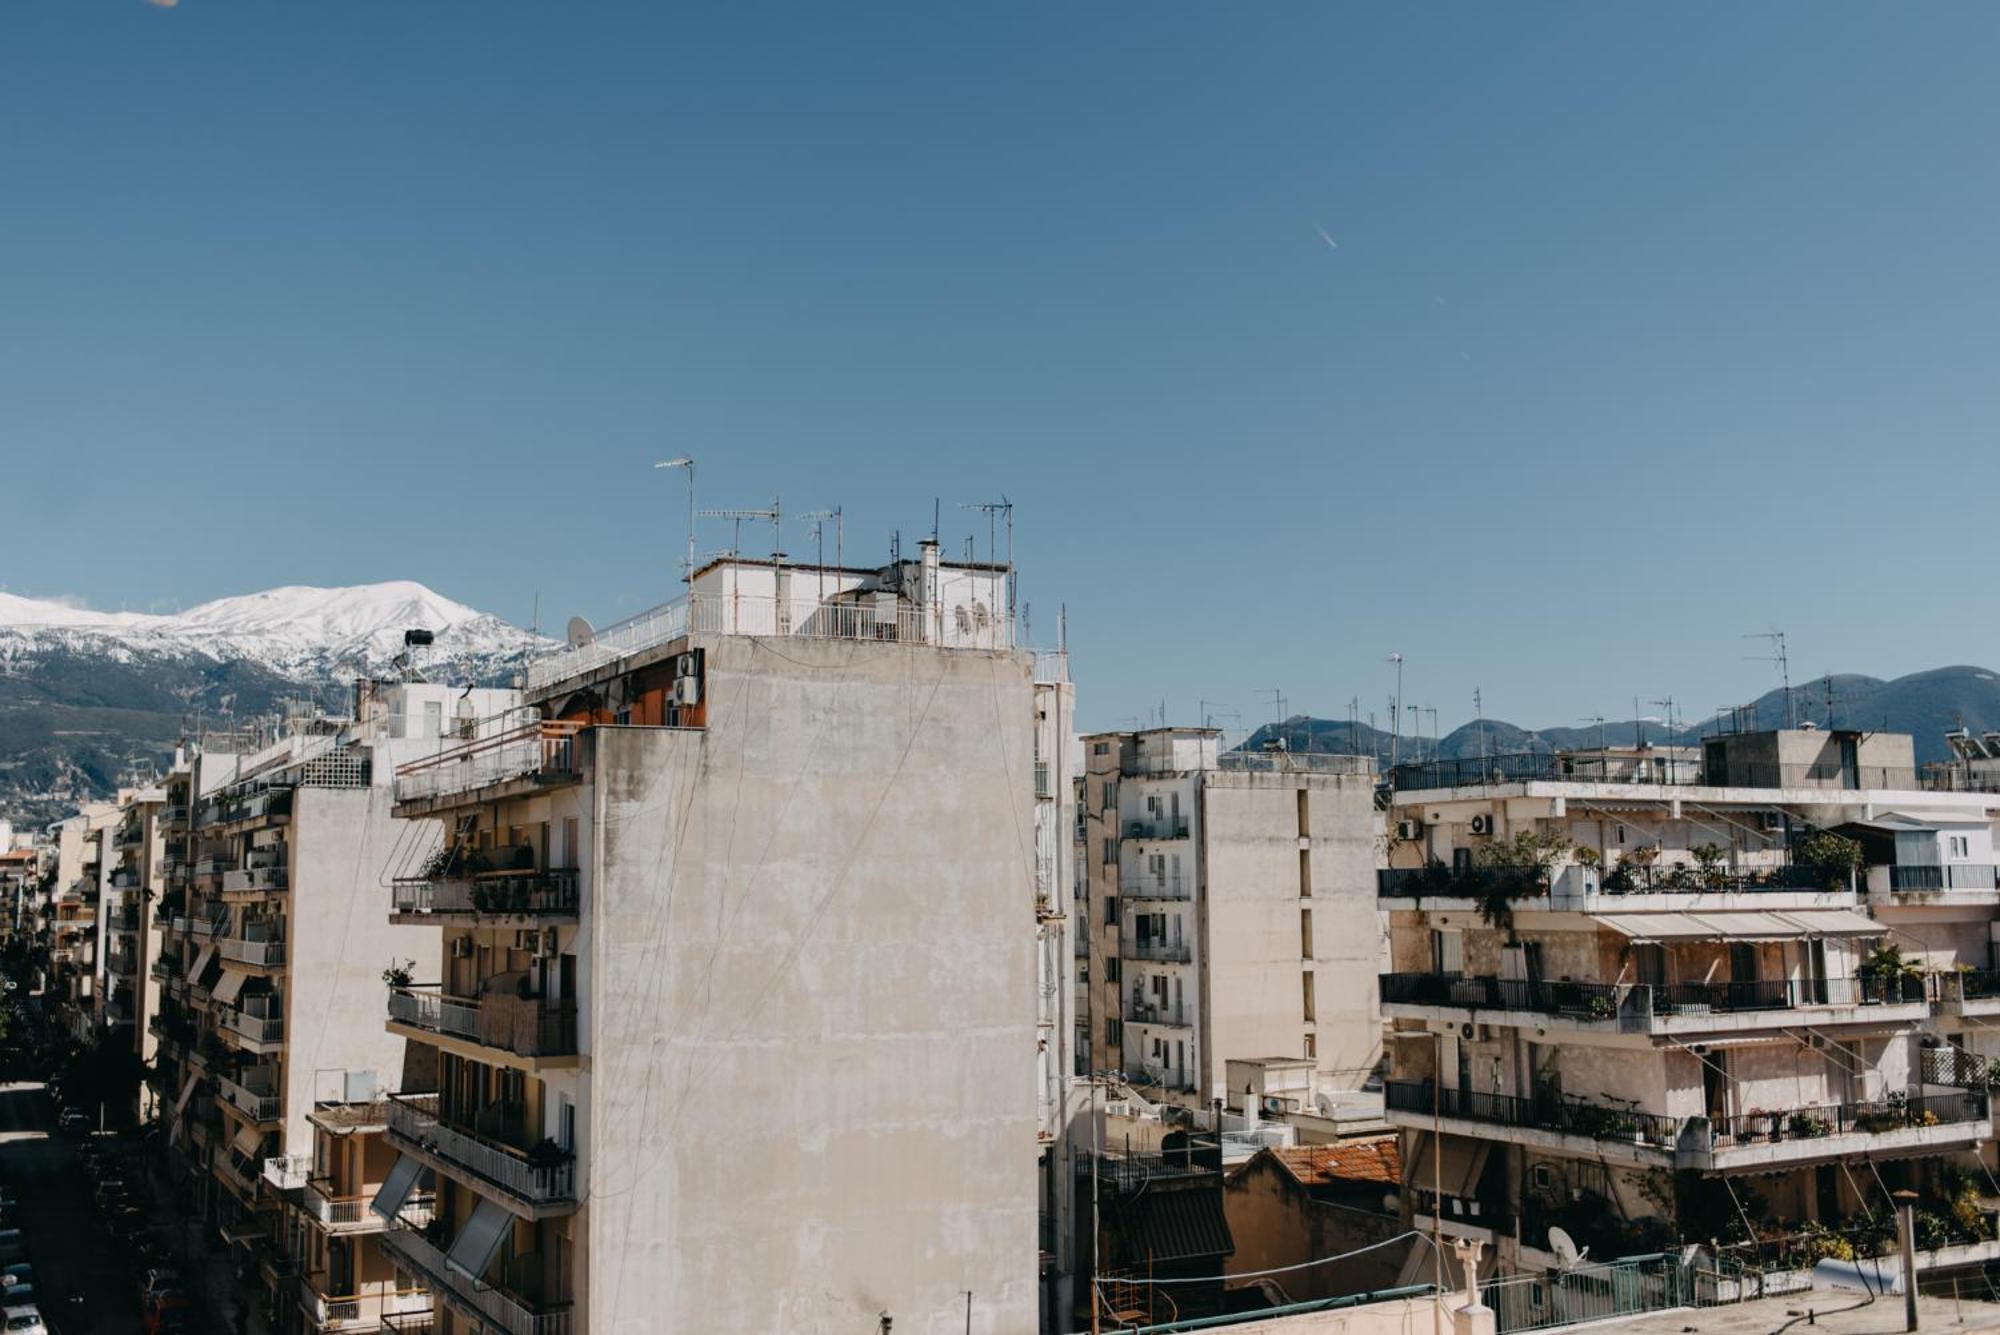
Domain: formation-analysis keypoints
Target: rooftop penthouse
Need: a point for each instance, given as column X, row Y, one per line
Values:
column 1790, row 759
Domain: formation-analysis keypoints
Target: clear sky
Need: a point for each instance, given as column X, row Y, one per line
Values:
column 1554, row 346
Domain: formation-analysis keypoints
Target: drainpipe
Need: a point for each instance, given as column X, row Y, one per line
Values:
column 930, row 613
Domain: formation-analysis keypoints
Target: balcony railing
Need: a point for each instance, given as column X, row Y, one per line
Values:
column 414, row 1119
column 1836, row 1119
column 288, row 1172
column 1642, row 1001
column 1156, row 887
column 1158, row 828
column 526, row 893
column 1155, row 949
column 338, row 1214
column 1544, row 767
column 357, row 1310
column 1947, row 876
column 263, row 954
column 543, row 751
column 1138, row 1012
column 1295, row 762
column 254, row 880
column 522, row 1026
column 258, row 1099
column 496, row 1306
column 261, row 1021
column 1442, row 882
column 1569, row 1116
column 1969, row 985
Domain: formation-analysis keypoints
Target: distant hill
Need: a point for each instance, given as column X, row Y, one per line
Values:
column 1926, row 705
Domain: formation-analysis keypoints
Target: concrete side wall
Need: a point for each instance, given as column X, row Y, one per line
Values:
column 812, row 1010
column 1275, row 1224
column 1253, row 945
column 339, row 939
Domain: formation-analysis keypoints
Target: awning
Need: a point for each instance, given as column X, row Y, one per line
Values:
column 1164, row 1226
column 177, row 1123
column 396, row 1187
column 201, row 962
column 229, row 985
column 479, row 1241
column 1745, row 925
column 248, row 1141
column 1834, row 922
column 1464, row 1161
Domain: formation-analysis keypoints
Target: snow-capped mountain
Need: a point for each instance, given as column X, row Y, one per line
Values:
column 295, row 631
column 89, row 698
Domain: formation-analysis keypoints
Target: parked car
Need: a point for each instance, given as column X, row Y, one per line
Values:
column 25, row 1320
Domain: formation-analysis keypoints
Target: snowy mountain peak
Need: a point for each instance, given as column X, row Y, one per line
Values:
column 297, row 629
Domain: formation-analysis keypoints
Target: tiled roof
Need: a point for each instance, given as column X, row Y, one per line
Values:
column 1354, row 1161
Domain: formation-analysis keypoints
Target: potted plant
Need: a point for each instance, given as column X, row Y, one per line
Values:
column 398, row 975
column 1808, row 1126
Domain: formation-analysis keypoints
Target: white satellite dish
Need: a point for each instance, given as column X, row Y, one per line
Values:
column 1564, row 1246
column 580, row 633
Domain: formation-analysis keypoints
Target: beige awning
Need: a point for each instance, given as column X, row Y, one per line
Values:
column 231, row 983
column 1458, row 1175
column 247, row 1142
column 201, row 960
column 1708, row 926
column 1833, row 922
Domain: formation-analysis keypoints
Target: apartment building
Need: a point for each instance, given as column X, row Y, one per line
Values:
column 1055, row 774
column 276, row 962
column 129, row 993
column 342, row 1277
column 734, row 1017
column 1230, row 912
column 1647, row 1004
column 71, row 982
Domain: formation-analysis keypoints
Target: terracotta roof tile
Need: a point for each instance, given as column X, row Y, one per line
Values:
column 1356, row 1161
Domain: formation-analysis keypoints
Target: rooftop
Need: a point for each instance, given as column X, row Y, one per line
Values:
column 1831, row 1311
column 1357, row 1161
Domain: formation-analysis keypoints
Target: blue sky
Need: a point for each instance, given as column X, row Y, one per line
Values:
column 1638, row 328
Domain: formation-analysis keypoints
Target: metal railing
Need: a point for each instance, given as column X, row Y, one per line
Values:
column 1836, row 1119
column 1604, row 1292
column 259, row 1100
column 260, row 1023
column 1440, row 881
column 538, row 749
column 1156, row 949
column 1163, row 827
column 434, row 1011
column 1296, row 762
column 254, row 880
column 522, row 1026
column 1608, row 1001
column 338, row 1213
column 495, row 1306
column 1946, row 876
column 527, row 893
column 1573, row 1117
column 1142, row 886
column 414, row 1118
column 1662, row 771
column 263, row 953
column 1138, row 1012
column 288, row 1172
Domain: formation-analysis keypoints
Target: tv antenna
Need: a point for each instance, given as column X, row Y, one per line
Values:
column 1673, row 726
column 774, row 516
column 815, row 522
column 993, row 511
column 1778, row 656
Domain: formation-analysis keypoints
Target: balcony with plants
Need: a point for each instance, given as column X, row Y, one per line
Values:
column 506, row 1019
column 490, row 1146
column 485, row 884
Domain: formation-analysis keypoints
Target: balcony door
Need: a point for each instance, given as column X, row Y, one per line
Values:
column 1715, row 1086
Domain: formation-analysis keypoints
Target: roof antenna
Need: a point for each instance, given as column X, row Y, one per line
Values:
column 934, row 518
column 1777, row 639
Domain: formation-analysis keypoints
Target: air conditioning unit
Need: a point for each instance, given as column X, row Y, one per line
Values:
column 461, row 947
column 1472, row 1033
column 1409, row 829
column 687, row 692
column 1482, row 824
column 688, row 664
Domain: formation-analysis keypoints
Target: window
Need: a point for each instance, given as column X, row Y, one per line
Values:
column 1306, row 983
column 1100, row 749
column 1305, row 934
column 570, row 851
column 1312, row 1047
column 1305, row 873
column 1113, row 1034
column 1111, row 910
column 1305, row 820
column 433, row 718
column 1957, row 846
column 1111, row 969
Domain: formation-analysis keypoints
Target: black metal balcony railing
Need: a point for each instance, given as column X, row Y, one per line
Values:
column 1835, row 1119
column 1609, row 1001
column 1969, row 985
column 1527, row 767
column 1441, row 882
column 530, row 893
column 415, row 1119
column 1573, row 1117
column 1160, row 828
column 1138, row 1012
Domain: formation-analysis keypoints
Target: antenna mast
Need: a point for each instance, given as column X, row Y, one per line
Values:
column 1777, row 639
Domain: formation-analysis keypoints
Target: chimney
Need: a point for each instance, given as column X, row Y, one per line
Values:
column 929, row 614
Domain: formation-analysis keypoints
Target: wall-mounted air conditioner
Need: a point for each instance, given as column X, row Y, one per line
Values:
column 1482, row 824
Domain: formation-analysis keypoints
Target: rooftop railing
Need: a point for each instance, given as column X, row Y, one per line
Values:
column 867, row 617
column 1656, row 771
column 1440, row 881
column 1946, row 876
column 1641, row 1002
column 1295, row 762
column 538, row 749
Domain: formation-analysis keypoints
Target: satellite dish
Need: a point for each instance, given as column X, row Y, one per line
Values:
column 580, row 633
column 1564, row 1247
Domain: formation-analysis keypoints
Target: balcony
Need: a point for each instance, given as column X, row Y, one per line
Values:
column 416, row 1321
column 347, row 1214
column 495, row 1307
column 1939, row 1119
column 253, row 881
column 1619, row 770
column 524, row 1027
column 1159, row 827
column 264, row 804
column 122, row 962
column 165, row 969
column 1173, row 1017
column 1155, row 949
column 1946, row 884
column 1574, row 889
column 257, row 954
column 531, row 756
column 1156, row 887
column 1651, row 1008
column 288, row 1172
column 1969, row 992
column 507, row 894
column 254, row 1094
column 259, row 1025
column 213, row 868
column 534, row 1187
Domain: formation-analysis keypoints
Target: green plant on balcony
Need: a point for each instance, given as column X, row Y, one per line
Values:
column 1709, row 866
column 1600, row 1007
column 1515, row 868
column 398, row 975
column 1878, row 1120
column 1816, row 1242
column 1832, row 859
column 1807, row 1126
column 545, row 1155
column 1898, row 974
column 1619, row 880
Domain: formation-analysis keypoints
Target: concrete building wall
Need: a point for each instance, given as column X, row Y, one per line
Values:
column 340, row 940
column 812, row 1007
column 1276, row 1224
